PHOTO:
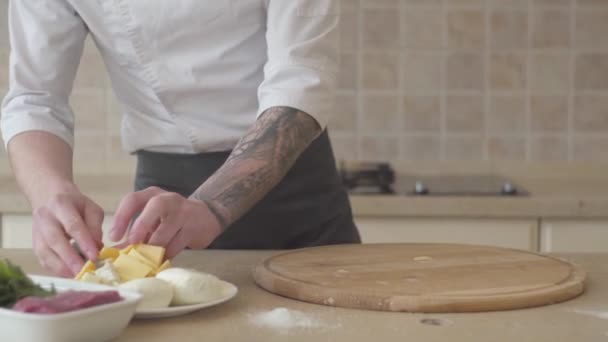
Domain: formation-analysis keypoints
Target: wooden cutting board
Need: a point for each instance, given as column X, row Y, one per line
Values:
column 420, row 277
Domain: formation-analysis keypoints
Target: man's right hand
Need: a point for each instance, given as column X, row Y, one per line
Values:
column 64, row 216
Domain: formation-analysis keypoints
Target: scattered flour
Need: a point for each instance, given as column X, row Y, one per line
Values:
column 285, row 319
column 597, row 314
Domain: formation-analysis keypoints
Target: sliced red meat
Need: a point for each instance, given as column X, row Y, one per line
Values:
column 66, row 301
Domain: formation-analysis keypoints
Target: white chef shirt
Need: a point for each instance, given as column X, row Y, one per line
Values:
column 192, row 75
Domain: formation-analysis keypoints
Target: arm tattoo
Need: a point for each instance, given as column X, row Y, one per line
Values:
column 258, row 162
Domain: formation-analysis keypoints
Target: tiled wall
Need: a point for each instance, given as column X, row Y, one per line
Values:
column 434, row 80
column 473, row 80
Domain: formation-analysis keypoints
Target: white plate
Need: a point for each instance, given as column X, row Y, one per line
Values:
column 78, row 325
column 228, row 292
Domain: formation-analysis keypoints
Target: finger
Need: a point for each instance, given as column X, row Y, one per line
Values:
column 130, row 205
column 177, row 244
column 74, row 226
column 154, row 213
column 56, row 240
column 166, row 231
column 93, row 217
column 48, row 259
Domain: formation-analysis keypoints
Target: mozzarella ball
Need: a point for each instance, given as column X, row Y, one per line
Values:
column 192, row 287
column 156, row 293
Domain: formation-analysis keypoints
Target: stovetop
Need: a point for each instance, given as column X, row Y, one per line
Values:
column 380, row 178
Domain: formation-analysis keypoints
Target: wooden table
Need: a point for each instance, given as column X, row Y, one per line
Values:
column 582, row 319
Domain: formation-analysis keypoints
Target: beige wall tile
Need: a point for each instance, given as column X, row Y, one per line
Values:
column 508, row 71
column 422, row 72
column 509, row 29
column 345, row 115
column 549, row 148
column 427, row 3
column 465, row 71
column 90, row 146
column 380, row 70
column 381, row 3
column 591, row 71
column 421, row 113
column 349, row 32
column 115, row 151
column 590, row 148
column 380, row 28
column 115, row 112
column 507, row 114
column 463, row 148
column 423, row 28
column 4, row 56
column 467, row 3
column 420, row 148
column 508, row 4
column 345, row 147
column 591, row 28
column 464, row 113
column 380, row 114
column 591, row 3
column 349, row 71
column 549, row 73
column 378, row 148
column 551, row 28
column 548, row 113
column 4, row 41
column 91, row 72
column 591, row 113
column 90, row 109
column 465, row 28
column 551, row 3
column 506, row 148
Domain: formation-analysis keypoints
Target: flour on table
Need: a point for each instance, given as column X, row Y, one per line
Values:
column 597, row 314
column 285, row 319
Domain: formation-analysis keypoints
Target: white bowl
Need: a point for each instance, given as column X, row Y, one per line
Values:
column 98, row 323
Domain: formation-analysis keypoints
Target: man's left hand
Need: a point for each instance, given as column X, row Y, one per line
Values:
column 167, row 219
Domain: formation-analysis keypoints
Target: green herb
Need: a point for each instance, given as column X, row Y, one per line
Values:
column 14, row 285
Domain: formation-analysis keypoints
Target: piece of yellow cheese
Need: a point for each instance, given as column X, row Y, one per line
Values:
column 134, row 253
column 129, row 268
column 126, row 249
column 162, row 267
column 156, row 254
column 108, row 253
column 89, row 266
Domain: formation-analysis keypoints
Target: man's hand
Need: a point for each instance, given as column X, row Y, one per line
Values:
column 66, row 215
column 167, row 219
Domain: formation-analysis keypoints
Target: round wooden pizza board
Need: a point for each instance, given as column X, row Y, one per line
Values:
column 420, row 277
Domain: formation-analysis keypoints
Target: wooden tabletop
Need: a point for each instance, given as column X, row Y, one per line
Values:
column 581, row 319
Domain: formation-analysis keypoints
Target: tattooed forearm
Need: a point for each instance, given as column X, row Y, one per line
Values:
column 258, row 162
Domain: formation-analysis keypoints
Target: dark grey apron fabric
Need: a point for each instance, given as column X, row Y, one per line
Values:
column 309, row 207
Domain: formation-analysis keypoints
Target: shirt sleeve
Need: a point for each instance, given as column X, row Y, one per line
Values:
column 47, row 39
column 301, row 71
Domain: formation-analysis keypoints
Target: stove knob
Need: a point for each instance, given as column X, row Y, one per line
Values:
column 508, row 189
column 420, row 188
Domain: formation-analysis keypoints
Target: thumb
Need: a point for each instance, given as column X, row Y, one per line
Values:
column 93, row 218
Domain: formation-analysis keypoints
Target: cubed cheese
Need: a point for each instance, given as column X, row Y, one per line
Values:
column 162, row 267
column 89, row 266
column 90, row 277
column 129, row 268
column 134, row 253
column 156, row 254
column 108, row 253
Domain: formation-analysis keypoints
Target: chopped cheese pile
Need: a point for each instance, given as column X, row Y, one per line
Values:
column 118, row 266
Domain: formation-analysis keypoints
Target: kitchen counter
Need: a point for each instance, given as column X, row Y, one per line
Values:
column 556, row 191
column 581, row 319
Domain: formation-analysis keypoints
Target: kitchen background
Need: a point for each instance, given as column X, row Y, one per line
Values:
column 523, row 80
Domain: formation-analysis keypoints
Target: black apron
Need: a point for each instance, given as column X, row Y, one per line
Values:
column 309, row 207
